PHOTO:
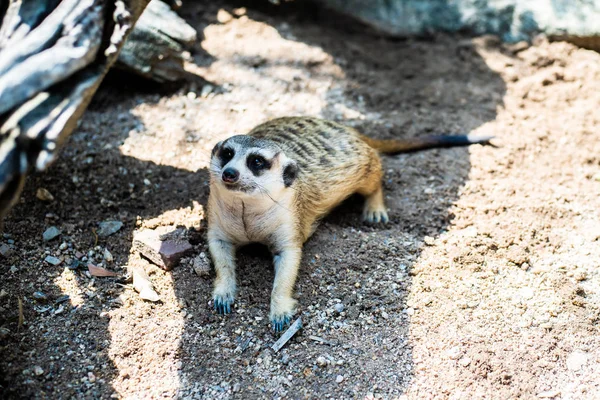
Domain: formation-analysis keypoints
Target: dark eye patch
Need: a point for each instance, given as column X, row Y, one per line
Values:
column 257, row 164
column 225, row 155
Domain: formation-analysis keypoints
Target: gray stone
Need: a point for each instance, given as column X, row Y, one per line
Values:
column 108, row 228
column 52, row 260
column 201, row 265
column 51, row 233
column 40, row 296
column 511, row 20
column 5, row 250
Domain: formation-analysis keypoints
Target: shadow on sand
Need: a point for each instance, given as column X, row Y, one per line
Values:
column 403, row 88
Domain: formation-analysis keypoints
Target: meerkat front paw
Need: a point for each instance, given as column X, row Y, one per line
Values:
column 282, row 311
column 374, row 210
column 375, row 215
column 223, row 297
column 223, row 304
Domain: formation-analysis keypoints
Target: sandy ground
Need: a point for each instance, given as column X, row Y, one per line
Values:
column 484, row 284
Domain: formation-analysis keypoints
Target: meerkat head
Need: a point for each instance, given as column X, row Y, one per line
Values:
column 252, row 166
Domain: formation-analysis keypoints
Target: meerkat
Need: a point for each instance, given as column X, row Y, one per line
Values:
column 275, row 184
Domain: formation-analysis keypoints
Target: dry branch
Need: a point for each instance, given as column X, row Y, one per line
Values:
column 53, row 56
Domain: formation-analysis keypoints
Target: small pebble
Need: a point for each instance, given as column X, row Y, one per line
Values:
column 63, row 246
column 580, row 276
column 339, row 379
column 4, row 332
column 576, row 360
column 108, row 256
column 453, row 353
column 44, row 195
column 52, row 260
column 51, row 233
column 108, row 228
column 5, row 250
column 38, row 370
column 223, row 17
column 201, row 265
column 527, row 293
column 321, row 361
column 40, row 296
column 339, row 307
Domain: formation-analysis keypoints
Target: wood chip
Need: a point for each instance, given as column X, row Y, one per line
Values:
column 98, row 271
column 287, row 335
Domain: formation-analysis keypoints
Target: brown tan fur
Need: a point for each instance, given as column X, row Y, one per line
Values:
column 325, row 162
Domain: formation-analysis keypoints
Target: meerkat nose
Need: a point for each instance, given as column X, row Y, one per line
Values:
column 230, row 175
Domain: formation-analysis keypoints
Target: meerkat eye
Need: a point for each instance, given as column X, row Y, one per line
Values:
column 226, row 155
column 257, row 163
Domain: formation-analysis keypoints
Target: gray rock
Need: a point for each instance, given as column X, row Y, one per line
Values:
column 201, row 265
column 52, row 260
column 40, row 296
column 4, row 333
column 339, row 307
column 51, row 233
column 511, row 20
column 108, row 228
column 5, row 250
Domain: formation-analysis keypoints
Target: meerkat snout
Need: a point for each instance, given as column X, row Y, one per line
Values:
column 230, row 175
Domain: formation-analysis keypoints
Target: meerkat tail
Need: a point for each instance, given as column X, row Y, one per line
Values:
column 395, row 146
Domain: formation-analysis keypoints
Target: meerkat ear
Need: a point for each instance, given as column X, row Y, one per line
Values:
column 216, row 148
column 290, row 172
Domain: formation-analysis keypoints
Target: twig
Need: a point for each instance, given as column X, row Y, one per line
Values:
column 21, row 317
column 296, row 326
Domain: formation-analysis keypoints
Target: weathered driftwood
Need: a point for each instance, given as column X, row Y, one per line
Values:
column 53, row 56
column 156, row 47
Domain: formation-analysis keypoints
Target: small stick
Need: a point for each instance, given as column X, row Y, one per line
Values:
column 95, row 236
column 21, row 317
column 287, row 335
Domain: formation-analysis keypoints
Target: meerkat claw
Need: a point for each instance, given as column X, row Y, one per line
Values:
column 376, row 217
column 222, row 305
column 278, row 323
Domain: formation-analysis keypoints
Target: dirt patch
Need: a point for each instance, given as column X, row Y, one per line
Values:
column 484, row 284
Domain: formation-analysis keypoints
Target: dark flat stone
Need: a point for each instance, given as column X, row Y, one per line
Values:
column 160, row 247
